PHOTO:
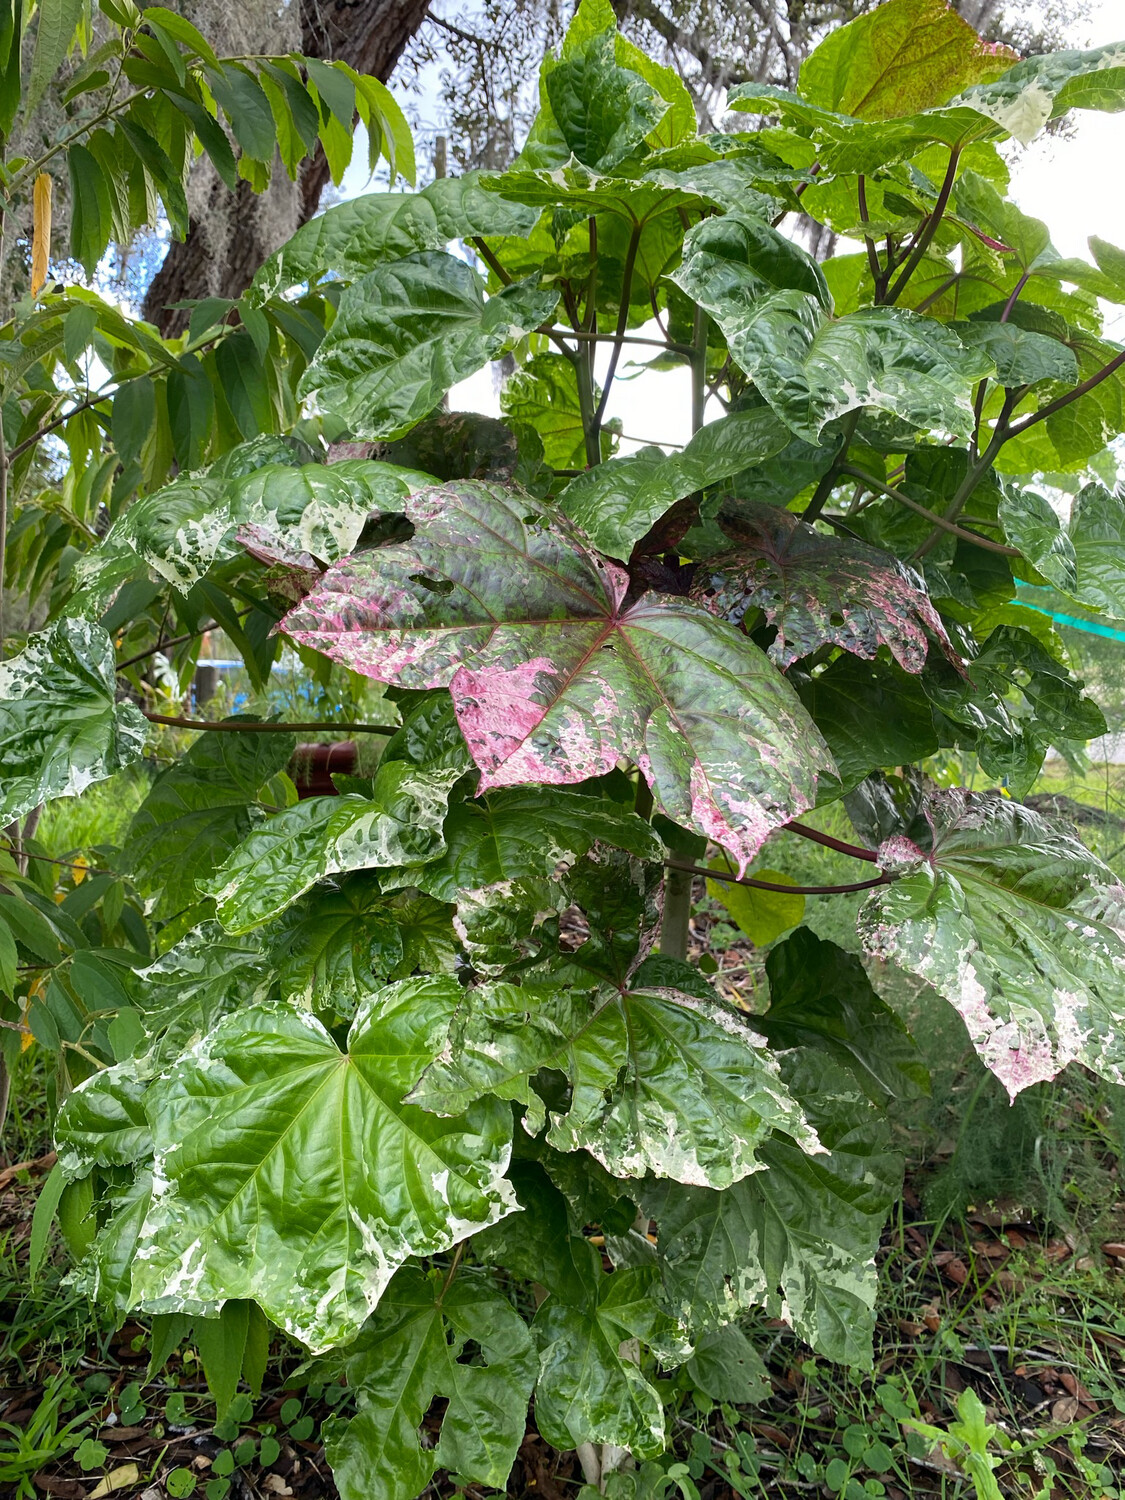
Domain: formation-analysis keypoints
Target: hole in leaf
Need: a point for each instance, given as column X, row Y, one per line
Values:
column 434, row 585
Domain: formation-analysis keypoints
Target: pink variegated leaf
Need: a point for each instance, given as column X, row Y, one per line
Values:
column 816, row 589
column 555, row 677
column 1018, row 926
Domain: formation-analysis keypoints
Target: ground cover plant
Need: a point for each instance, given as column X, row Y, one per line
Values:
column 432, row 1074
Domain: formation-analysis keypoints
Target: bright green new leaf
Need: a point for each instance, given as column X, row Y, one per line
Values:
column 761, row 915
column 61, row 727
column 661, row 1082
column 351, row 238
column 398, row 824
column 543, row 394
column 408, row 331
column 902, row 57
column 1018, row 926
column 617, row 502
column 421, row 1344
column 288, row 1171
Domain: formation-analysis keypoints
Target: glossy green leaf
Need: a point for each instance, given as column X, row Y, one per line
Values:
column 591, row 1388
column 319, row 509
column 821, row 997
column 727, row 1367
column 184, row 993
column 590, row 108
column 198, row 810
column 760, row 915
column 810, row 367
column 289, row 1172
column 543, row 395
column 1097, row 535
column 661, row 1082
column 524, row 833
column 103, row 1123
column 419, row 1345
column 553, row 681
column 798, row 1238
column 1021, row 357
column 1019, row 926
column 61, row 728
column 398, row 824
column 351, row 238
column 1030, row 523
column 337, row 944
column 617, row 502
column 408, row 331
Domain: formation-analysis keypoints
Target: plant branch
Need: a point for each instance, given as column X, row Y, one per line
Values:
column 4, row 467
column 928, row 230
column 872, row 253
column 1057, row 405
column 237, row 727
column 610, row 338
column 885, row 489
column 855, row 850
column 1016, row 290
column 828, row 479
column 773, row 885
column 622, row 326
column 1000, row 435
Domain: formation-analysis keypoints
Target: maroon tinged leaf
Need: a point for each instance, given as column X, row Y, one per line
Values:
column 554, row 678
column 817, row 588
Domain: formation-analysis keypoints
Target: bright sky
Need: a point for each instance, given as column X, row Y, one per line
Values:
column 1074, row 184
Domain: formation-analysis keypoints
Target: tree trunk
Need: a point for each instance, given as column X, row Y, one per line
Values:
column 229, row 238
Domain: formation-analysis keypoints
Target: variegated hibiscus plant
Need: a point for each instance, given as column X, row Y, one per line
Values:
column 423, row 1072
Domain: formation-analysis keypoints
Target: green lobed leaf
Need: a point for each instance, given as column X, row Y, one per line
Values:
column 349, row 239
column 553, row 680
column 408, row 331
column 289, row 1172
column 821, row 997
column 400, row 823
column 797, row 1238
column 1018, row 925
column 61, row 728
column 419, row 1345
column 198, row 810
column 518, row 833
column 661, row 1082
column 1030, row 523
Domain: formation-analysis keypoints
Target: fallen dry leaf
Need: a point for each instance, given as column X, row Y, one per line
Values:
column 122, row 1479
column 1065, row 1409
